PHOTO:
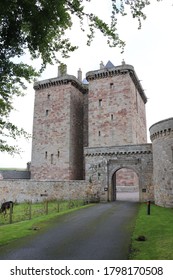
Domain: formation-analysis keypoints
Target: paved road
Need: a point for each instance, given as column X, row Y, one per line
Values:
column 100, row 232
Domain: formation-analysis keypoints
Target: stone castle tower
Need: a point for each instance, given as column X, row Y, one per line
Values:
column 116, row 110
column 69, row 115
column 57, row 148
column 161, row 135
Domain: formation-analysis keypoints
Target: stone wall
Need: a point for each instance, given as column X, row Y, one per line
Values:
column 126, row 177
column 161, row 135
column 102, row 163
column 14, row 174
column 116, row 107
column 35, row 191
column 76, row 133
column 58, row 129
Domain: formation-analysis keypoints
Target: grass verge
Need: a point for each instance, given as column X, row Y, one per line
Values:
column 157, row 228
column 11, row 232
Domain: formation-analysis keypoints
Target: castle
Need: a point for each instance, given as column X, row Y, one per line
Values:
column 90, row 134
column 91, row 130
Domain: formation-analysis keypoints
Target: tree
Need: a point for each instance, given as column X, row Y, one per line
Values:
column 40, row 27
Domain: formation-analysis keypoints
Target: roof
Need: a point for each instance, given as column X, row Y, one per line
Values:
column 109, row 65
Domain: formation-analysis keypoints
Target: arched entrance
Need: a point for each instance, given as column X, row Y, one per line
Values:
column 102, row 163
column 125, row 185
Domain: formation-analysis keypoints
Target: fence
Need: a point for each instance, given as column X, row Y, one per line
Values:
column 28, row 210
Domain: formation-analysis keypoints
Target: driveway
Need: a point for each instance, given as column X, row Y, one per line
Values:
column 100, row 232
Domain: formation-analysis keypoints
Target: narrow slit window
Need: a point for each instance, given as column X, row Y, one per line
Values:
column 47, row 112
column 48, row 96
column 51, row 158
column 100, row 102
column 99, row 133
column 45, row 155
column 58, row 154
column 136, row 100
column 112, row 117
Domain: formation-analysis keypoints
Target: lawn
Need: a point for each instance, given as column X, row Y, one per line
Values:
column 28, row 210
column 157, row 228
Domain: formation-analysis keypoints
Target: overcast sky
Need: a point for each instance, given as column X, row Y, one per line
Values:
column 149, row 50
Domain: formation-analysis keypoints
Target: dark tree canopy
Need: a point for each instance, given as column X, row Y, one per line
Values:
column 39, row 26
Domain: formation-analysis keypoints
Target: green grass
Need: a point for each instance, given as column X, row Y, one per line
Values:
column 27, row 211
column 11, row 232
column 12, row 168
column 158, row 230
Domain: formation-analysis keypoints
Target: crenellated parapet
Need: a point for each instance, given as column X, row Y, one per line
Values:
column 117, row 71
column 59, row 81
column 118, row 150
column 161, row 129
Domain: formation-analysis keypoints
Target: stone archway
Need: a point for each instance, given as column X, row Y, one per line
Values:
column 125, row 185
column 101, row 163
column 115, row 166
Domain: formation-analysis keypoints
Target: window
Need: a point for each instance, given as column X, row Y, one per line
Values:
column 99, row 133
column 48, row 96
column 100, row 102
column 51, row 159
column 58, row 154
column 111, row 85
column 46, row 155
column 136, row 100
column 47, row 112
column 112, row 117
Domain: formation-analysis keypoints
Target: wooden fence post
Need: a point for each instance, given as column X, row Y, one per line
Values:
column 11, row 213
column 69, row 202
column 58, row 205
column 46, row 208
column 30, row 210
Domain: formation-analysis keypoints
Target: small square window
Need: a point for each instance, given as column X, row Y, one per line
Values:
column 111, row 85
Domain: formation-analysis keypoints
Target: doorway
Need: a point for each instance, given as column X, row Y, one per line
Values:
column 125, row 185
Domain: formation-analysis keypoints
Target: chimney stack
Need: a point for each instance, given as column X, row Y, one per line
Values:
column 62, row 70
column 79, row 75
column 101, row 65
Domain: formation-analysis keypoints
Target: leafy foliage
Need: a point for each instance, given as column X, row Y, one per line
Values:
column 40, row 27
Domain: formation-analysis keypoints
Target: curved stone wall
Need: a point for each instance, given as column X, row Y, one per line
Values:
column 161, row 135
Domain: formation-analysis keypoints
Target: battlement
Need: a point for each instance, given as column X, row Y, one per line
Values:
column 123, row 69
column 118, row 150
column 161, row 129
column 63, row 80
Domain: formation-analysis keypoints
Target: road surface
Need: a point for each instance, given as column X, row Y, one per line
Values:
column 99, row 232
